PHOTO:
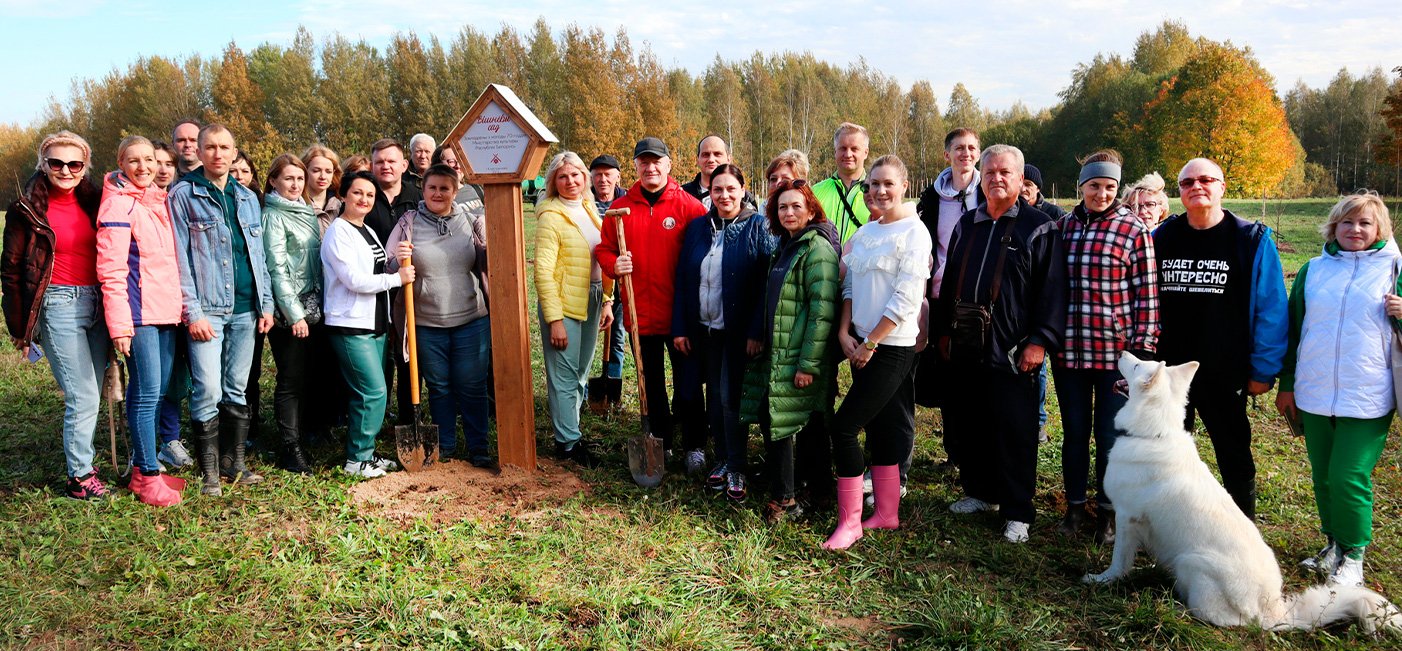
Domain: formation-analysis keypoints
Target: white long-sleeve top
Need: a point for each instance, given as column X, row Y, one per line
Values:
column 348, row 269
column 886, row 273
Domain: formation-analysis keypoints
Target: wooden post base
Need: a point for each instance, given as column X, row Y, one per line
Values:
column 511, row 333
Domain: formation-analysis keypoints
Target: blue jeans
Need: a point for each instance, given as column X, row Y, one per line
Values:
column 152, row 353
column 362, row 359
column 1088, row 402
column 177, row 388
column 219, row 367
column 73, row 334
column 454, row 363
column 1042, row 394
column 567, row 371
column 618, row 342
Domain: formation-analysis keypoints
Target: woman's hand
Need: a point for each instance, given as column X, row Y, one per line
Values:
column 1393, row 303
column 606, row 316
column 1285, row 404
column 558, row 337
column 849, row 344
column 406, row 274
column 802, row 380
column 624, row 265
column 753, row 347
column 682, row 344
column 122, row 345
column 404, row 250
column 861, row 356
column 300, row 329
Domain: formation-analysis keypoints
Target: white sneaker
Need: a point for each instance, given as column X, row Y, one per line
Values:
column 1015, row 532
column 1349, row 573
column 363, row 469
column 1325, row 562
column 695, row 461
column 871, row 499
column 175, row 455
column 971, row 505
column 866, row 484
column 383, row 464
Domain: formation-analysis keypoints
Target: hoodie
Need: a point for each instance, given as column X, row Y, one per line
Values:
column 940, row 208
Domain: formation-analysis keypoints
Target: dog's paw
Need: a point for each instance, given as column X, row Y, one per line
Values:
column 1092, row 579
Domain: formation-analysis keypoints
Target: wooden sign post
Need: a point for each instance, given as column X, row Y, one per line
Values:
column 500, row 143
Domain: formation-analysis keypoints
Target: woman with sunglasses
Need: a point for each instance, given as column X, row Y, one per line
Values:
column 135, row 254
column 48, row 274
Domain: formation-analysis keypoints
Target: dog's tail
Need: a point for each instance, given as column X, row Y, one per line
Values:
column 1322, row 605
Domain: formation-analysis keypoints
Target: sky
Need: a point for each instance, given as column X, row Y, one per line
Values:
column 1025, row 52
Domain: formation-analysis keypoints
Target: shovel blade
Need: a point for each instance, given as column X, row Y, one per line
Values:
column 409, row 445
column 646, row 460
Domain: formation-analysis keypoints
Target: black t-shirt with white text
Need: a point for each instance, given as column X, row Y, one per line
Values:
column 1204, row 291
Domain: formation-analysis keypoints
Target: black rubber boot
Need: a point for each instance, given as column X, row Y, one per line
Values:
column 289, row 428
column 233, row 434
column 205, row 436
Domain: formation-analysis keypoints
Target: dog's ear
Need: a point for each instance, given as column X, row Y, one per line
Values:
column 1155, row 378
column 1183, row 375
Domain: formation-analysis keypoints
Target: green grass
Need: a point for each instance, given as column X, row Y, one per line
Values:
column 291, row 563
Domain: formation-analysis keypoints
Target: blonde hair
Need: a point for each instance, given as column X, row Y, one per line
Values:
column 1352, row 205
column 892, row 161
column 560, row 160
column 324, row 152
column 850, row 127
column 59, row 139
column 794, row 159
column 128, row 142
column 1151, row 182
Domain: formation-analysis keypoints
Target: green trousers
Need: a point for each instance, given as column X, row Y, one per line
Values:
column 1343, row 452
column 362, row 363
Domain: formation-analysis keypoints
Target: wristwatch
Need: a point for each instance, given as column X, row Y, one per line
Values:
column 869, row 344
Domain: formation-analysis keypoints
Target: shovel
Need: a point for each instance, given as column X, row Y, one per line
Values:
column 114, row 386
column 605, row 392
column 417, row 445
column 646, row 460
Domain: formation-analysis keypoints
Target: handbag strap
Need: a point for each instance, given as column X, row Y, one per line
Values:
column 997, row 267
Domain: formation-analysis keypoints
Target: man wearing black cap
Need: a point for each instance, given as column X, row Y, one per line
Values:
column 1032, row 193
column 603, row 177
column 659, row 212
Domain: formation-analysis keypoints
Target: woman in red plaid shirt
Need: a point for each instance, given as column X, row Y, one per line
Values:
column 1112, row 306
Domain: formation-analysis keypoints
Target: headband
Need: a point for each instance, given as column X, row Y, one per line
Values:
column 1099, row 170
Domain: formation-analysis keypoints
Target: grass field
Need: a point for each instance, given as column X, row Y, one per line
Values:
column 292, row 563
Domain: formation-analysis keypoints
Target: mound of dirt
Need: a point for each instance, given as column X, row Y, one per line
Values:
column 454, row 490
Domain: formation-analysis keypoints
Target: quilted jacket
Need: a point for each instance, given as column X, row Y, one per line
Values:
column 136, row 259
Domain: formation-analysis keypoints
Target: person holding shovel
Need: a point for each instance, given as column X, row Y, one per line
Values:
column 450, row 311
column 575, row 300
column 356, row 311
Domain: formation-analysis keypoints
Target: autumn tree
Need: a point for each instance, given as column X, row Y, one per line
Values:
column 238, row 105
column 354, row 93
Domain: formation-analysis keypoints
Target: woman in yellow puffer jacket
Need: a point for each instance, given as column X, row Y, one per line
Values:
column 573, row 296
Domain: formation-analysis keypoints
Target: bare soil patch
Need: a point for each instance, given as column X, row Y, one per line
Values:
column 454, row 490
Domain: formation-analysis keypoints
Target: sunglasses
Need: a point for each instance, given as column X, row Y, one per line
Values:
column 74, row 166
column 1204, row 181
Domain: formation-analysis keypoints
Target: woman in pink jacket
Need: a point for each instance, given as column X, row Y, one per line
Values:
column 135, row 264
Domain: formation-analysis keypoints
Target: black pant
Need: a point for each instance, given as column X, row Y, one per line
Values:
column 882, row 400
column 779, row 462
column 994, row 414
column 291, row 354
column 327, row 395
column 694, row 390
column 1223, row 412
column 656, row 349
column 253, row 393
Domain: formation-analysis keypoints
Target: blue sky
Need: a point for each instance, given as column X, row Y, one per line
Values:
column 48, row 46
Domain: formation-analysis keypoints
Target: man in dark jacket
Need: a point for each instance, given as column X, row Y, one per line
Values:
column 712, row 152
column 604, row 173
column 1002, row 307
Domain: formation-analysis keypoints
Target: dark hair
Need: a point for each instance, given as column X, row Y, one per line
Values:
column 1101, row 156
column 961, row 131
column 276, row 168
column 801, row 186
column 36, row 192
column 727, row 168
column 386, row 143
column 441, row 169
column 348, row 179
column 241, row 155
column 160, row 145
column 437, row 158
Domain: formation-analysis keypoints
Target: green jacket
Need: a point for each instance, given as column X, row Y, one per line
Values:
column 292, row 240
column 799, row 338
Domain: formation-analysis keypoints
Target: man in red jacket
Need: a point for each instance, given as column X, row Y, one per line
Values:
column 660, row 211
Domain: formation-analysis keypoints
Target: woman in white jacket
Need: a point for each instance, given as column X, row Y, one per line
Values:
column 1338, row 381
column 357, row 318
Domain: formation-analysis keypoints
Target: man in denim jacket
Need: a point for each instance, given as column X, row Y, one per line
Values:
column 227, row 295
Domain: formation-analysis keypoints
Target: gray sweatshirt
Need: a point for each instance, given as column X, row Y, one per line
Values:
column 447, row 291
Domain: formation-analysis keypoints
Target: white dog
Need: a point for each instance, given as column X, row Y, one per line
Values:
column 1168, row 503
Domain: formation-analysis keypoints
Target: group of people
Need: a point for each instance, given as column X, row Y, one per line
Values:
column 960, row 300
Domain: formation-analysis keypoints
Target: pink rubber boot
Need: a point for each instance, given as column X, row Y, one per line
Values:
column 886, row 488
column 849, row 513
column 151, row 489
column 175, row 483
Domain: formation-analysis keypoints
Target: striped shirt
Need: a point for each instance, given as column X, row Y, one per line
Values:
column 1112, row 302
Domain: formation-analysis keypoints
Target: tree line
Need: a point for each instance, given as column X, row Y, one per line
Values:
column 1174, row 97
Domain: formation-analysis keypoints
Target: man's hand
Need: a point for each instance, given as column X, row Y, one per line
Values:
column 201, row 330
column 753, row 347
column 1032, row 357
column 1254, row 388
column 606, row 316
column 682, row 344
column 1285, row 404
column 265, row 323
column 624, row 265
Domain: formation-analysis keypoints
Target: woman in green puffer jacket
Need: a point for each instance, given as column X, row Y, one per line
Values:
column 292, row 240
column 787, row 384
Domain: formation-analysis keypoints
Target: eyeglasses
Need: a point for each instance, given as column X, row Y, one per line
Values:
column 1145, row 205
column 1204, row 181
column 74, row 166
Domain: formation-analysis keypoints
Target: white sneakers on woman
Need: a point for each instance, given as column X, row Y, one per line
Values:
column 375, row 467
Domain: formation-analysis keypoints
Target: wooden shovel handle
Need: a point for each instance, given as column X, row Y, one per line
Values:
column 632, row 311
column 410, row 338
